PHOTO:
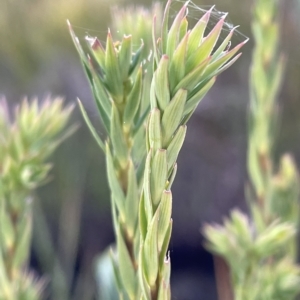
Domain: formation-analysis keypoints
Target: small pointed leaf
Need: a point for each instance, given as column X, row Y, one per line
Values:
column 193, row 102
column 165, row 211
column 147, row 188
column 150, row 251
column 91, row 127
column 172, row 116
column 173, row 34
column 154, row 130
column 125, row 56
column 197, row 32
column 194, row 77
column 126, row 267
column 133, row 100
column 114, row 184
column 177, row 65
column 117, row 137
column 175, row 146
column 161, row 83
column 205, row 48
column 112, row 70
column 132, row 201
column 158, row 176
column 98, row 53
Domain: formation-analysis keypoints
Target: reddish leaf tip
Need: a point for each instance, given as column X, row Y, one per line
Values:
column 96, row 44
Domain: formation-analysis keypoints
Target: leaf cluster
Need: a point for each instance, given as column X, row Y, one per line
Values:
column 25, row 144
column 248, row 251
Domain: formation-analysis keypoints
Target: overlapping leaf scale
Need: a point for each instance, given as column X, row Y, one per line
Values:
column 113, row 77
column 173, row 34
column 177, row 65
column 205, row 48
column 196, row 34
column 185, row 70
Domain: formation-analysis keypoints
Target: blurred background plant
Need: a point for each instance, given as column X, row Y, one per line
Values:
column 262, row 253
column 34, row 35
column 27, row 141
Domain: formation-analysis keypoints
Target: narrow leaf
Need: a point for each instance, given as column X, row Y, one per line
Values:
column 163, row 253
column 165, row 28
column 150, row 251
column 225, row 44
column 172, row 176
column 158, row 176
column 155, row 45
column 172, row 116
column 143, row 218
column 125, row 56
column 98, row 53
column 141, row 121
column 132, row 201
column 117, row 137
column 154, row 130
column 226, row 66
column 143, row 283
column 175, row 146
column 114, row 184
column 165, row 211
column 136, row 59
column 183, row 28
column 177, row 65
column 161, row 83
column 91, row 127
column 102, row 99
column 173, row 34
column 147, row 189
column 112, row 69
column 197, row 32
column 194, row 77
column 218, row 63
column 205, row 48
column 133, row 100
column 193, row 102
column 126, row 267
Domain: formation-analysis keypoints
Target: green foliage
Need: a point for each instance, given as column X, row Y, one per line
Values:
column 261, row 253
column 181, row 79
column 186, row 64
column 257, row 258
column 136, row 21
column 141, row 156
column 116, row 76
column 25, row 145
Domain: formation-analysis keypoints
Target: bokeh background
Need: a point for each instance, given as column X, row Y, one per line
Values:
column 72, row 212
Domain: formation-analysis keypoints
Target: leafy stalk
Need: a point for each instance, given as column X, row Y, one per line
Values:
column 185, row 70
column 25, row 143
column 262, row 252
column 116, row 77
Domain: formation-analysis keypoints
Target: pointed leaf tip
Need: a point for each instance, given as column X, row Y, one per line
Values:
column 96, row 44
